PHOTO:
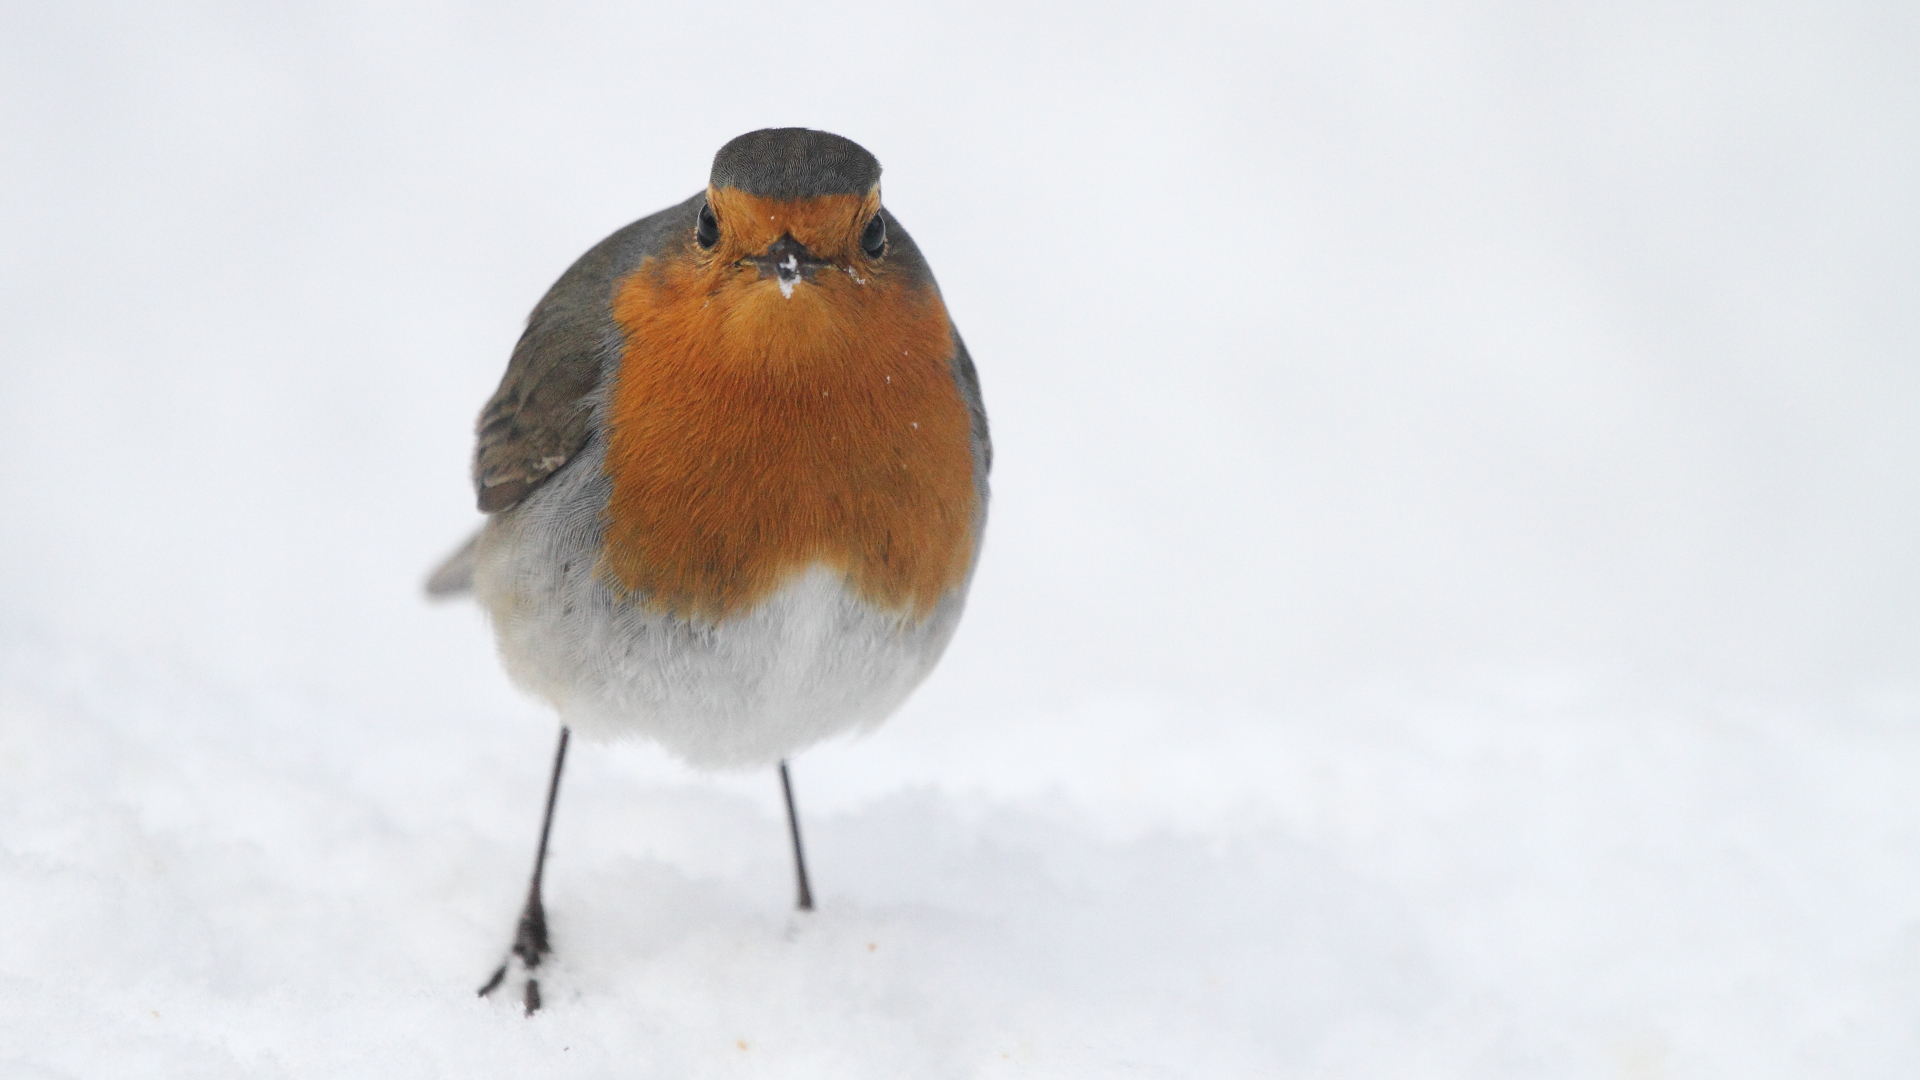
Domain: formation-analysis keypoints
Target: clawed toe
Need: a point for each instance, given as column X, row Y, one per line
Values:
column 529, row 992
column 530, row 947
column 499, row 976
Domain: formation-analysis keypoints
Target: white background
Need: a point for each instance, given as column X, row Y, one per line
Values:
column 1449, row 607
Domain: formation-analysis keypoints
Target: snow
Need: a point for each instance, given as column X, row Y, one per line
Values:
column 1449, row 608
column 1462, row 884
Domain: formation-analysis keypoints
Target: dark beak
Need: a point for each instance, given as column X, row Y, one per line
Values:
column 789, row 262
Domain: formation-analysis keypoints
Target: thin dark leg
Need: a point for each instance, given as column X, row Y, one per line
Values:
column 805, row 902
column 530, row 940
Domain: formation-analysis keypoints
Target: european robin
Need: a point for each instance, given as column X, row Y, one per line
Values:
column 735, row 478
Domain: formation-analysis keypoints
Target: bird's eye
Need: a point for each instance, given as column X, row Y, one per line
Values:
column 708, row 230
column 873, row 239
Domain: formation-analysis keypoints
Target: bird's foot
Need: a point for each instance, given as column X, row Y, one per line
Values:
column 530, row 947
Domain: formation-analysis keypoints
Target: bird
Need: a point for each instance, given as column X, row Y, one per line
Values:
column 735, row 479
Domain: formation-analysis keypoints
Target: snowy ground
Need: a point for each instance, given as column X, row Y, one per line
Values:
column 1520, row 883
column 1450, row 608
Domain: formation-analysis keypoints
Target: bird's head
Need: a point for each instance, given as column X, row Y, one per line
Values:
column 791, row 214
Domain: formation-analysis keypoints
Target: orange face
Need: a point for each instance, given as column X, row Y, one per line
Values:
column 829, row 226
column 785, row 400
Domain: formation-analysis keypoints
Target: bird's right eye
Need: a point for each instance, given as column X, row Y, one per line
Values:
column 873, row 239
column 708, row 230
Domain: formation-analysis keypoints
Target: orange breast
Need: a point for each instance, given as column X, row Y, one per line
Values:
column 753, row 436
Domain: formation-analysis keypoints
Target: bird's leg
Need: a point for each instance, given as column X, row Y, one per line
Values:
column 530, row 942
column 805, row 901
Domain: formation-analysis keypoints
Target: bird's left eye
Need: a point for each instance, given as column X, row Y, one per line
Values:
column 873, row 239
column 707, row 230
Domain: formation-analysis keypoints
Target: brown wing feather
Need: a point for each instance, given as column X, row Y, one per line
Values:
column 537, row 420
column 539, row 417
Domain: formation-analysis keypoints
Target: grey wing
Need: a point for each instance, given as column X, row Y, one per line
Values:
column 903, row 252
column 537, row 420
column 968, row 380
column 539, row 417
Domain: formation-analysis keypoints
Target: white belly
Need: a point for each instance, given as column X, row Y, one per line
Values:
column 811, row 662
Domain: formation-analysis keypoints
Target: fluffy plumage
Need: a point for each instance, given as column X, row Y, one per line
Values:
column 730, row 512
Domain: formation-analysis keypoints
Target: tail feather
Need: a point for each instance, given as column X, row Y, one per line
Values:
column 454, row 576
